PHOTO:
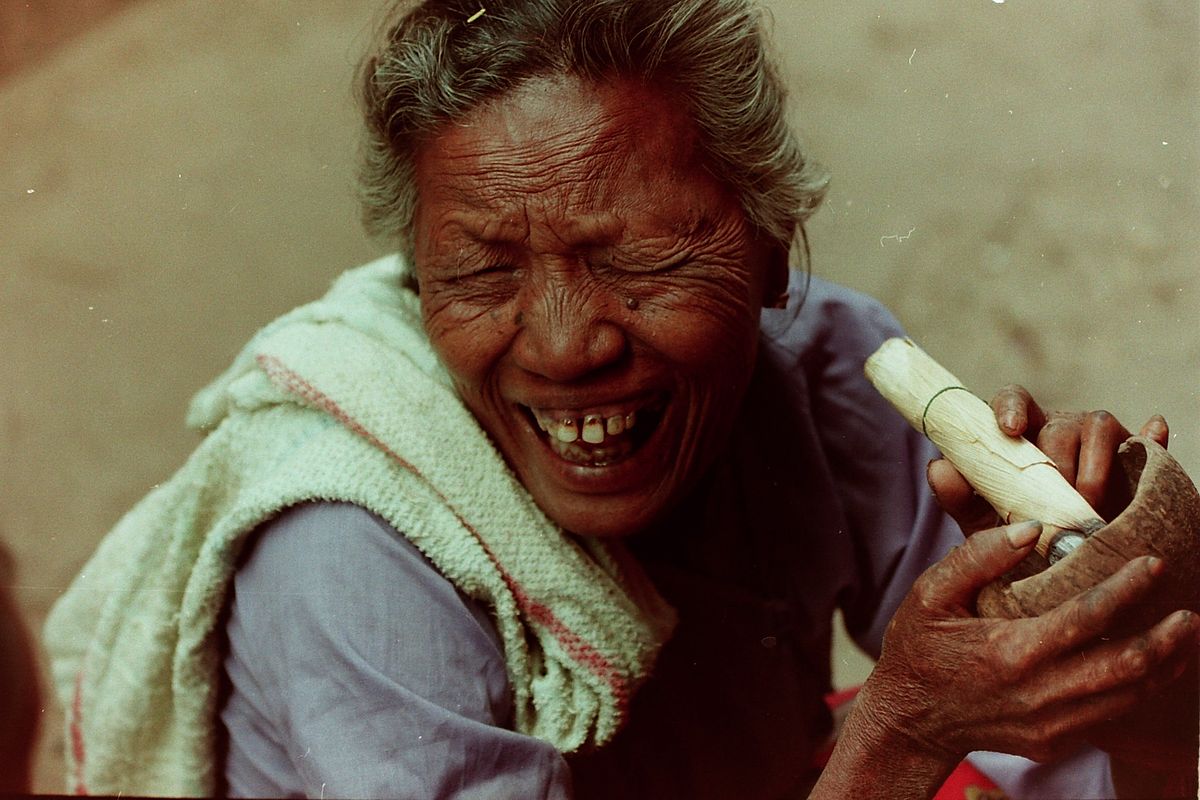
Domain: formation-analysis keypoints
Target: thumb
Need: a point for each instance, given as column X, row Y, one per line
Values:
column 954, row 582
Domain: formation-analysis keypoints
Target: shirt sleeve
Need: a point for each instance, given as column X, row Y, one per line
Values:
column 357, row 670
column 875, row 459
column 1084, row 775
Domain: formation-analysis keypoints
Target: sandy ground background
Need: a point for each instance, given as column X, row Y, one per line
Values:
column 1017, row 180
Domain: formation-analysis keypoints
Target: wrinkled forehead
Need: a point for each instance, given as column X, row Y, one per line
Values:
column 565, row 141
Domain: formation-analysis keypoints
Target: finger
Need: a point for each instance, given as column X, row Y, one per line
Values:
column 1160, row 730
column 1017, row 413
column 1055, row 732
column 1077, row 622
column 1100, row 436
column 1103, row 688
column 1157, row 429
column 1145, row 663
column 1059, row 439
column 1083, row 618
column 952, row 584
column 958, row 499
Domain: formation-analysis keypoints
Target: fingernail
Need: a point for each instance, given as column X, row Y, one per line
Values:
column 1008, row 421
column 1154, row 565
column 1187, row 621
column 1023, row 534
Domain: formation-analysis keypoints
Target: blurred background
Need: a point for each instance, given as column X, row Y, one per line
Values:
column 1016, row 179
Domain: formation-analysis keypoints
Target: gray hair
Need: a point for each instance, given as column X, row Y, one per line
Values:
column 439, row 59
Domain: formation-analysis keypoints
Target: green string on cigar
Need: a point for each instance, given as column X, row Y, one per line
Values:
column 936, row 395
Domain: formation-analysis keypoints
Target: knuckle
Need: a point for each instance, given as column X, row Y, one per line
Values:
column 1013, row 659
column 1072, row 628
column 1077, row 618
column 922, row 598
column 1135, row 662
column 1089, row 607
column 969, row 564
column 928, row 605
column 1054, row 739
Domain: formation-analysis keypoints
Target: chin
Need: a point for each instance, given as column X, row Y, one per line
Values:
column 602, row 518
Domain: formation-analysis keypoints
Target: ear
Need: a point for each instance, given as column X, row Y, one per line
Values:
column 775, row 277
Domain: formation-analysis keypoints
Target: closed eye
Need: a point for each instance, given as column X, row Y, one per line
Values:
column 502, row 268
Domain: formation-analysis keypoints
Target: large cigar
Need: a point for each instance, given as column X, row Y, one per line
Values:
column 1012, row 474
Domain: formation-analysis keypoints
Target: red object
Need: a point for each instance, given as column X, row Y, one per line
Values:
column 968, row 783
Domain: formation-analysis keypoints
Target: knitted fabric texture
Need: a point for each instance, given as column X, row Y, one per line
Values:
column 342, row 399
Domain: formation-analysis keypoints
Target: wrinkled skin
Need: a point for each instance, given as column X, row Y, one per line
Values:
column 573, row 254
column 949, row 682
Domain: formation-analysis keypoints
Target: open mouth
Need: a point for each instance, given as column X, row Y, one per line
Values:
column 597, row 437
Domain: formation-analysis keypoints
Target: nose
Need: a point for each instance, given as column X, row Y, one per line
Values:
column 567, row 329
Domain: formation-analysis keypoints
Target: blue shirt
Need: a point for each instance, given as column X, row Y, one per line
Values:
column 357, row 670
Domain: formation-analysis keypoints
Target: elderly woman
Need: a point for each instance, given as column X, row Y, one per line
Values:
column 561, row 500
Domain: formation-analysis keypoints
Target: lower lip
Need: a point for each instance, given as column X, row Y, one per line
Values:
column 634, row 472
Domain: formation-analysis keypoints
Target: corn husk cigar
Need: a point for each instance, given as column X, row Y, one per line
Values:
column 1012, row 474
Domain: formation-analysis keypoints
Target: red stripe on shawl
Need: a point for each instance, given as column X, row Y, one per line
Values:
column 577, row 648
column 77, row 733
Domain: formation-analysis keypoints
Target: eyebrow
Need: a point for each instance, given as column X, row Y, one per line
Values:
column 486, row 229
column 581, row 231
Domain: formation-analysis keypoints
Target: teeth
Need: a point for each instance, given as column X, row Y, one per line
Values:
column 590, row 456
column 592, row 428
column 567, row 431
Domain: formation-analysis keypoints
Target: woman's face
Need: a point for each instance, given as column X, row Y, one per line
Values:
column 594, row 293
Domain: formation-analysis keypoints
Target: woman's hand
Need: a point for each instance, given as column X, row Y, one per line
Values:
column 951, row 682
column 1084, row 447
